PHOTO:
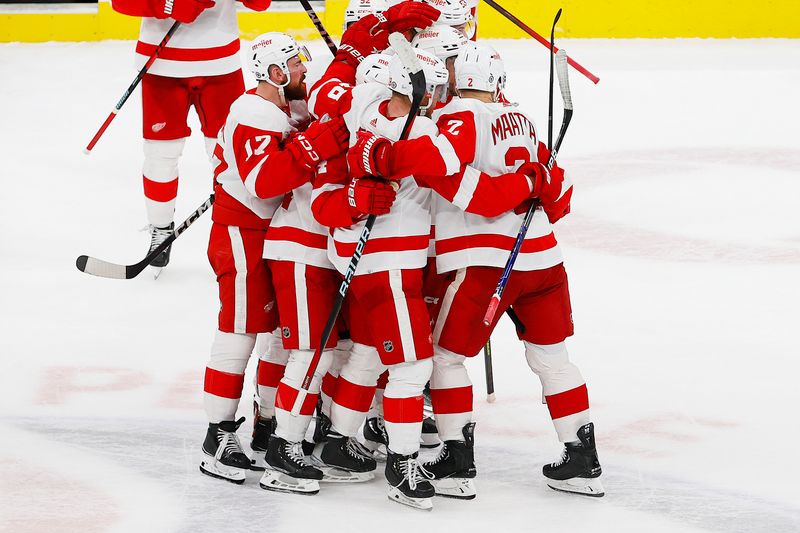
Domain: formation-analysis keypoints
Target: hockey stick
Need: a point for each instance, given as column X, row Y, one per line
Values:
column 550, row 84
column 318, row 24
column 487, row 363
column 563, row 83
column 406, row 54
column 129, row 91
column 524, row 27
column 104, row 269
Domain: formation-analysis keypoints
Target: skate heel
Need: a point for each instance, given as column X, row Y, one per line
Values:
column 423, row 504
column 586, row 486
column 459, row 488
column 280, row 482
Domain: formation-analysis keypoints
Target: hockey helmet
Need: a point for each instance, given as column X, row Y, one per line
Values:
column 374, row 68
column 436, row 77
column 440, row 40
column 274, row 48
column 456, row 13
column 479, row 68
column 358, row 9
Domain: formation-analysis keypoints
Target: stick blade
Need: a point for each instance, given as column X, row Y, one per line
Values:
column 100, row 268
column 562, row 71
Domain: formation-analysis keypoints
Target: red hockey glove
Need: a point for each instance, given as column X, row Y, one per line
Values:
column 321, row 141
column 257, row 5
column 361, row 39
column 543, row 185
column 558, row 207
column 370, row 196
column 407, row 15
column 185, row 11
column 369, row 156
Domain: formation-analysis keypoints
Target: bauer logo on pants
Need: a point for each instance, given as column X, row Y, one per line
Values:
column 388, row 346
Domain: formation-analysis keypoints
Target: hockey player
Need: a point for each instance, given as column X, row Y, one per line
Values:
column 495, row 137
column 260, row 158
column 458, row 14
column 199, row 67
column 444, row 42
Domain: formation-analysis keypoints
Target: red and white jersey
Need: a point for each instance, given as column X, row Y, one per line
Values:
column 494, row 138
column 399, row 239
column 250, row 164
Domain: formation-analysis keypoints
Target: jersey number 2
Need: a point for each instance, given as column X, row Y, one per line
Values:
column 517, row 154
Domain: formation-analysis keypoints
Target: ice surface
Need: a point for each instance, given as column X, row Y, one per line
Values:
column 683, row 251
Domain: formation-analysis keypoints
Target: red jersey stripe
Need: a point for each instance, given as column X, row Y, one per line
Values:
column 450, row 401
column 300, row 236
column 223, row 384
column 190, row 54
column 286, row 396
column 385, row 244
column 491, row 240
column 568, row 402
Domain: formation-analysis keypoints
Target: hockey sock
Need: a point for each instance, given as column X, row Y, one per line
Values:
column 355, row 389
column 563, row 387
column 160, row 179
column 293, row 428
column 403, row 404
column 225, row 374
column 272, row 358
column 451, row 393
column 376, row 409
column 340, row 355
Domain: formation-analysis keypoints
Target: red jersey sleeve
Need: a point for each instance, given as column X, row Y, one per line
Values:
column 139, row 8
column 330, row 97
column 329, row 199
column 264, row 165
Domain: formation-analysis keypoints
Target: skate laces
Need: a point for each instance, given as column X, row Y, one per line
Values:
column 158, row 235
column 414, row 472
column 229, row 444
column 356, row 449
column 564, row 458
column 295, row 453
column 443, row 453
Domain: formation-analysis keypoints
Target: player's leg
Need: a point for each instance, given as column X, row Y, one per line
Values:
column 547, row 314
column 245, row 291
column 165, row 106
column 272, row 358
column 375, row 438
column 212, row 99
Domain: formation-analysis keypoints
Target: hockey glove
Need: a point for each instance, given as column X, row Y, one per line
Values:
column 257, row 5
column 370, row 196
column 369, row 156
column 185, row 11
column 408, row 15
column 362, row 38
column 321, row 141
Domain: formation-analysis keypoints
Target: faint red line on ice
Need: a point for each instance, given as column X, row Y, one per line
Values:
column 61, row 382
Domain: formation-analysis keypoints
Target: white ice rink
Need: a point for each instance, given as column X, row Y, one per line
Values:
column 683, row 251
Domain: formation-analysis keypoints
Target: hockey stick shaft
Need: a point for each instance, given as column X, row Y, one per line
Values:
column 104, row 269
column 487, row 363
column 550, row 84
column 318, row 24
column 527, row 29
column 563, row 82
column 131, row 87
column 409, row 58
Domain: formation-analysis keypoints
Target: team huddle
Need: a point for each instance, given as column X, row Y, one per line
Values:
column 297, row 172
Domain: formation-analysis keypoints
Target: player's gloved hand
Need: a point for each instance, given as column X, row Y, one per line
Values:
column 257, row 5
column 369, row 156
column 321, row 141
column 558, row 205
column 185, row 11
column 361, row 39
column 407, row 15
column 370, row 196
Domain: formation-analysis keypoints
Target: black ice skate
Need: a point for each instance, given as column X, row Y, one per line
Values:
column 454, row 468
column 430, row 434
column 262, row 429
column 321, row 428
column 157, row 236
column 345, row 460
column 224, row 456
column 287, row 469
column 579, row 469
column 375, row 438
column 408, row 481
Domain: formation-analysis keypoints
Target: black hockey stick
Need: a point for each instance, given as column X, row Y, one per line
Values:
column 406, row 54
column 318, row 24
column 563, row 83
column 487, row 363
column 104, row 269
column 550, row 88
column 131, row 87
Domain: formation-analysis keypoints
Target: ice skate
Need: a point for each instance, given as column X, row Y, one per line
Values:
column 454, row 468
column 262, row 429
column 409, row 482
column 345, row 460
column 322, row 427
column 224, row 456
column 430, row 434
column 157, row 236
column 287, row 469
column 375, row 438
column 579, row 469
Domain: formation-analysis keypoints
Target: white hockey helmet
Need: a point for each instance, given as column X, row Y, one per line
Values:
column 479, row 68
column 358, row 9
column 456, row 13
column 436, row 77
column 374, row 68
column 440, row 40
column 274, row 48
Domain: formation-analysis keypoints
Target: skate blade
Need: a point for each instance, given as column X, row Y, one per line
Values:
column 578, row 485
column 378, row 450
column 258, row 462
column 156, row 271
column 331, row 474
column 423, row 504
column 280, row 482
column 218, row 470
column 455, row 487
